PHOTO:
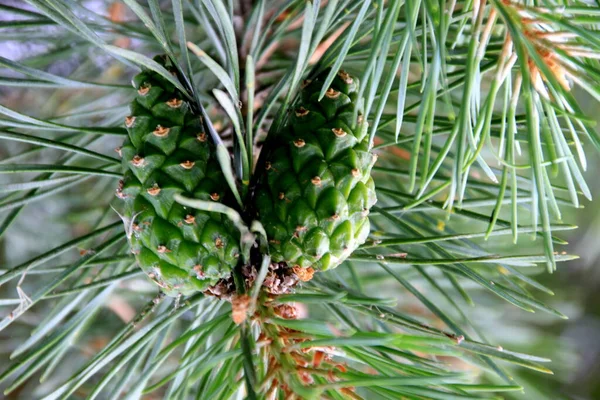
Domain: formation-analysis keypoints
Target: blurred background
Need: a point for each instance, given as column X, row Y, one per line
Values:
column 573, row 344
column 577, row 284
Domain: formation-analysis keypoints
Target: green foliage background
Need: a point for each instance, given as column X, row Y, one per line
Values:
column 65, row 92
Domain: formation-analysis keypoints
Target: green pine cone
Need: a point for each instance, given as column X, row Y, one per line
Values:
column 168, row 152
column 315, row 189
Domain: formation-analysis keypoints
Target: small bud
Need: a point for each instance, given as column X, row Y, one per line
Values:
column 189, row 219
column 267, row 165
column 304, row 274
column 219, row 243
column 316, row 181
column 355, row 172
column 318, row 358
column 215, row 196
column 281, row 196
column 286, row 311
column 162, row 249
column 118, row 150
column 201, row 137
column 239, row 307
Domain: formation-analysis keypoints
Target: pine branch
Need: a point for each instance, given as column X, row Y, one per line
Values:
column 471, row 107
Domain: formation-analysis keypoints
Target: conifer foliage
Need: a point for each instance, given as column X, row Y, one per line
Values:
column 310, row 199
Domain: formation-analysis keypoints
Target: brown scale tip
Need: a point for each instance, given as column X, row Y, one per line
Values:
column 175, row 103
column 335, row 217
column 360, row 119
column 299, row 229
column 316, row 181
column 187, row 164
column 355, row 172
column 331, row 93
column 144, row 89
column 301, row 112
column 198, row 270
column 267, row 165
column 137, row 161
column 281, row 196
column 154, row 190
column 339, row 132
column 162, row 249
column 299, row 143
column 119, row 191
column 129, row 121
column 215, row 196
column 161, row 131
column 304, row 274
column 201, row 137
column 219, row 243
column 189, row 219
column 345, row 77
column 305, row 83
